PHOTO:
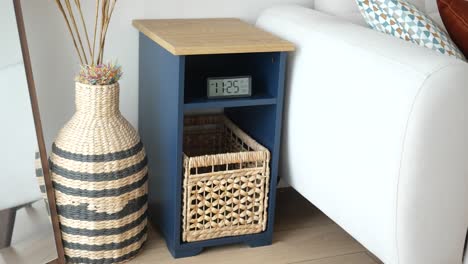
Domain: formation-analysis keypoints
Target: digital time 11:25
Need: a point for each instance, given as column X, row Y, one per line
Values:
column 229, row 87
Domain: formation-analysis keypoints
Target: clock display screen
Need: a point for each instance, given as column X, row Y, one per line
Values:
column 229, row 87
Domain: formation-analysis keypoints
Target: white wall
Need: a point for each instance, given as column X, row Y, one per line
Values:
column 18, row 184
column 55, row 63
column 10, row 54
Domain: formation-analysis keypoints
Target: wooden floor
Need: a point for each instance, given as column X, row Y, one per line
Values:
column 303, row 234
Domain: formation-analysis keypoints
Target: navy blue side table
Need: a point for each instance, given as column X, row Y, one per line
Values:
column 175, row 59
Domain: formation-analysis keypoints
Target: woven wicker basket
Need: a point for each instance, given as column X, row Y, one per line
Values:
column 226, row 180
column 99, row 173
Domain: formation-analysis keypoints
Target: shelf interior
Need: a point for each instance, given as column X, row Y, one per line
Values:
column 263, row 68
column 205, row 103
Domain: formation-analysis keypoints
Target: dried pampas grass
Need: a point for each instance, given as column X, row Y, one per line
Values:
column 71, row 12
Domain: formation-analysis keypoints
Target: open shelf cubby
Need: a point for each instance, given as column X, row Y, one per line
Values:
column 258, row 66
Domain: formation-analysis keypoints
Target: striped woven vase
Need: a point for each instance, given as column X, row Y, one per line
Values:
column 40, row 179
column 99, row 172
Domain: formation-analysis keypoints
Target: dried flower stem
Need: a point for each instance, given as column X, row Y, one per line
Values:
column 95, row 30
column 110, row 11
column 106, row 8
column 78, row 5
column 103, row 19
column 105, row 4
column 59, row 4
column 70, row 13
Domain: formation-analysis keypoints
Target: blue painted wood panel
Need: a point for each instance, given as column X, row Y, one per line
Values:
column 161, row 91
column 164, row 80
column 205, row 103
column 264, row 124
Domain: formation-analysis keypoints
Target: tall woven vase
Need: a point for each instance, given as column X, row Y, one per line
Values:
column 99, row 172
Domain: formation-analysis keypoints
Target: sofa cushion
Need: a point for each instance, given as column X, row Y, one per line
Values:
column 344, row 7
column 421, row 4
column 436, row 18
column 355, row 18
column 336, row 7
column 431, row 6
column 405, row 21
column 455, row 16
column 348, row 10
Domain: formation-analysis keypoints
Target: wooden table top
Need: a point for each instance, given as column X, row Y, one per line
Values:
column 210, row 36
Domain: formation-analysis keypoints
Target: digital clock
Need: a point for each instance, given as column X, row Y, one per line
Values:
column 226, row 87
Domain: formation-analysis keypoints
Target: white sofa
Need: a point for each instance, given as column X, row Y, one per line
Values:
column 376, row 132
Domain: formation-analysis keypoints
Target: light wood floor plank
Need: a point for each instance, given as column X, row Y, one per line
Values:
column 358, row 258
column 303, row 235
column 289, row 246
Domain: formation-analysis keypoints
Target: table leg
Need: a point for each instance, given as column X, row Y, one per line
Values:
column 7, row 222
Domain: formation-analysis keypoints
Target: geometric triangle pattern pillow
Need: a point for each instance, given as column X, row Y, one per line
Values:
column 403, row 20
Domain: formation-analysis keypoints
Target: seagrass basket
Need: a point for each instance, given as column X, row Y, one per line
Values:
column 99, row 172
column 226, row 180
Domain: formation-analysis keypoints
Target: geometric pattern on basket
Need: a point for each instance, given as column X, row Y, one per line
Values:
column 224, row 194
column 403, row 20
column 99, row 174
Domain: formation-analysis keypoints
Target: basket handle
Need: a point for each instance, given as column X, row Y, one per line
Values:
column 227, row 158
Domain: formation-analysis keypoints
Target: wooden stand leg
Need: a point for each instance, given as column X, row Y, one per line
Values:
column 258, row 243
column 7, row 222
column 184, row 253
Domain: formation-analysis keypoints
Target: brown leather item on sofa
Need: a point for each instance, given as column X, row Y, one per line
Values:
column 454, row 13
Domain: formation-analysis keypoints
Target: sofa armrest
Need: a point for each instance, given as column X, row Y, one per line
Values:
column 432, row 204
column 393, row 115
column 338, row 39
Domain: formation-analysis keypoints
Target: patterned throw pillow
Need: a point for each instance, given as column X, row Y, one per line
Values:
column 403, row 20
